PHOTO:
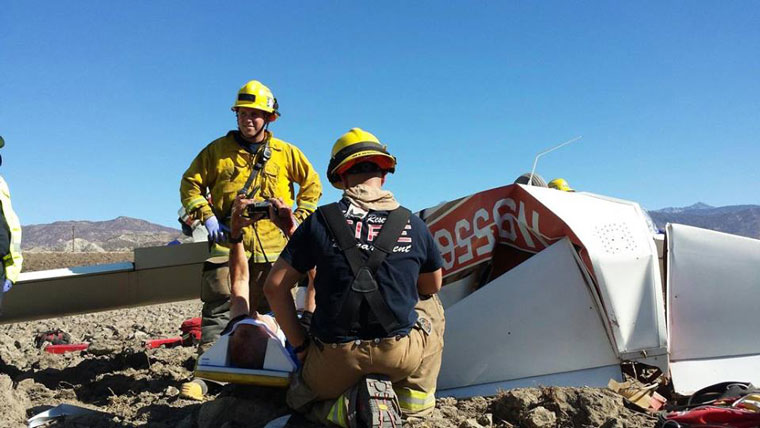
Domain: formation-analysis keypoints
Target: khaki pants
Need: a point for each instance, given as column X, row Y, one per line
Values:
column 412, row 363
column 215, row 294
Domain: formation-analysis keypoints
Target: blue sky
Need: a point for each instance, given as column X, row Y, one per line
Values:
column 104, row 107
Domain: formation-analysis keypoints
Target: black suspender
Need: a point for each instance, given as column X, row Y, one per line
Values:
column 263, row 156
column 364, row 286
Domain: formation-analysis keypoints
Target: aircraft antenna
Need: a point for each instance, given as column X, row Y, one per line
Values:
column 535, row 160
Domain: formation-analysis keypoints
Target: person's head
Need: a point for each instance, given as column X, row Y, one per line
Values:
column 248, row 346
column 359, row 157
column 255, row 107
column 561, row 184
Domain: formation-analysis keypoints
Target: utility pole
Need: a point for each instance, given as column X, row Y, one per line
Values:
column 72, row 239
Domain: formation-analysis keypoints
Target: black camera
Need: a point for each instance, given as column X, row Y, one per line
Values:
column 257, row 208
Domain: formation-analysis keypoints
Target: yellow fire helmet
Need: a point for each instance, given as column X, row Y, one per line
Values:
column 357, row 145
column 560, row 184
column 255, row 94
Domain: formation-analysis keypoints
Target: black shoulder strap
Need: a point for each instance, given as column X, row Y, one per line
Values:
column 364, row 286
column 339, row 229
column 389, row 234
column 261, row 157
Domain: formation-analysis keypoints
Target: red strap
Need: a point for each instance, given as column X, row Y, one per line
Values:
column 156, row 343
column 62, row 349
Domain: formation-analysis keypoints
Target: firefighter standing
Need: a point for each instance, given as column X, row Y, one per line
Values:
column 10, row 239
column 378, row 325
column 249, row 161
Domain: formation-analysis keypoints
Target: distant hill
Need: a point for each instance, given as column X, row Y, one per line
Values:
column 119, row 234
column 741, row 220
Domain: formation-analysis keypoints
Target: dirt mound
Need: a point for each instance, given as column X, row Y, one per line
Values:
column 126, row 385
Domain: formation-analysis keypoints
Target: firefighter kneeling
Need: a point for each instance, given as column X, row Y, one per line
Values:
column 374, row 348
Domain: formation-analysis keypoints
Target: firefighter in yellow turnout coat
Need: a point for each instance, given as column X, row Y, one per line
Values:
column 249, row 160
column 10, row 239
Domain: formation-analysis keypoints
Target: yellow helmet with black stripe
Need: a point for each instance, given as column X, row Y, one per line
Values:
column 356, row 146
column 256, row 95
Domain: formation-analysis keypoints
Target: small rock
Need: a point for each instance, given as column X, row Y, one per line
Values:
column 100, row 349
column 470, row 423
column 139, row 335
column 486, row 420
column 449, row 412
column 540, row 417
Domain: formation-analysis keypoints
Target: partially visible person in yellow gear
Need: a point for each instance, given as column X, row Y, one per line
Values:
column 560, row 184
column 373, row 351
column 10, row 240
column 251, row 162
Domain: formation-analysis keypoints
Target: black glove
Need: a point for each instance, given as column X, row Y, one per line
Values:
column 305, row 320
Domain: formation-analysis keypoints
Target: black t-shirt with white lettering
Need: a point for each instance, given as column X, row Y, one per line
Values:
column 415, row 252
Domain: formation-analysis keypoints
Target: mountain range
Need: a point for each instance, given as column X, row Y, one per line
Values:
column 126, row 234
column 741, row 220
column 119, row 234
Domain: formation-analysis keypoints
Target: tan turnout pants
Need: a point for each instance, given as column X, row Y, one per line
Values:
column 411, row 362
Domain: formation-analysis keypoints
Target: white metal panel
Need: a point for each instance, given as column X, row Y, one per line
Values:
column 75, row 271
column 457, row 290
column 713, row 293
column 537, row 319
column 691, row 376
column 624, row 257
column 597, row 377
column 159, row 275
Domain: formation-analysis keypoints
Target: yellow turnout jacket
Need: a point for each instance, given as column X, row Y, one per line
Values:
column 222, row 168
column 11, row 261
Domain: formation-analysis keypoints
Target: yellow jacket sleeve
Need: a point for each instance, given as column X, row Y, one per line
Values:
column 194, row 183
column 13, row 260
column 309, row 186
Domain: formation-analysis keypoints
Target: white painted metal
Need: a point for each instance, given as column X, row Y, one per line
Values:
column 690, row 376
column 597, row 377
column 457, row 290
column 75, row 271
column 625, row 262
column 713, row 292
column 537, row 319
column 159, row 275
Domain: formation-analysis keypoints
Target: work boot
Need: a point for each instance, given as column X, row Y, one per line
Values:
column 376, row 404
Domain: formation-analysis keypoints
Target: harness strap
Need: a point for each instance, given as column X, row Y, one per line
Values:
column 342, row 233
column 364, row 287
column 389, row 234
column 262, row 156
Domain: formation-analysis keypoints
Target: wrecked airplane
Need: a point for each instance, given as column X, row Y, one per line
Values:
column 541, row 287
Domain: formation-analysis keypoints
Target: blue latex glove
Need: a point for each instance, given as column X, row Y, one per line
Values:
column 7, row 285
column 215, row 232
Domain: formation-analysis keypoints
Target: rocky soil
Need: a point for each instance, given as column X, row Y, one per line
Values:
column 126, row 385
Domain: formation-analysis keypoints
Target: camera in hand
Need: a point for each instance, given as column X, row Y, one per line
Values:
column 257, row 208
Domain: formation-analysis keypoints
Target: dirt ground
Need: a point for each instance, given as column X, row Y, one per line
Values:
column 126, row 385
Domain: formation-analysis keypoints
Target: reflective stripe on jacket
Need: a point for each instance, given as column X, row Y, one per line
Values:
column 11, row 261
column 223, row 167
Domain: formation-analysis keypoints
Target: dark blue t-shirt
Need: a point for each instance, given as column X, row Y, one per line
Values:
column 415, row 252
